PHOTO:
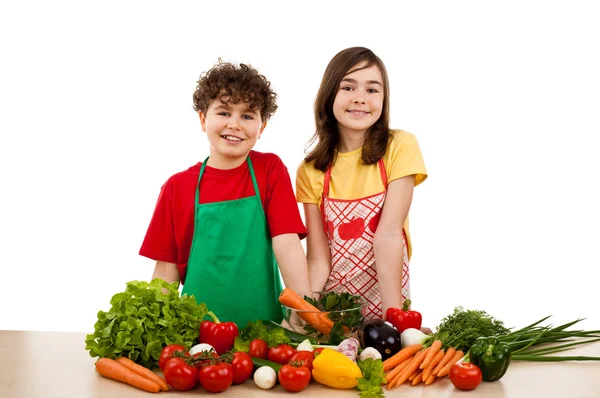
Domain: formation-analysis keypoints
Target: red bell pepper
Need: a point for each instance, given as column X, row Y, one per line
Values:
column 220, row 335
column 403, row 318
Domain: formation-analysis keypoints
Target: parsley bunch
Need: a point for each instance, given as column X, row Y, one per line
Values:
column 373, row 378
column 344, row 309
column 461, row 328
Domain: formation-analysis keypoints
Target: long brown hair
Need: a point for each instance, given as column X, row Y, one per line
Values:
column 327, row 135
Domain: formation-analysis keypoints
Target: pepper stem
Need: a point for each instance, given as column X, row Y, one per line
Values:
column 213, row 316
column 406, row 305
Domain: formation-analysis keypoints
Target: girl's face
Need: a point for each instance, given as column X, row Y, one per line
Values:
column 359, row 100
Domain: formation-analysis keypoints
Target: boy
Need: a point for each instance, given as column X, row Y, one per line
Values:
column 232, row 218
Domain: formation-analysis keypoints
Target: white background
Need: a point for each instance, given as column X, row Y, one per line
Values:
column 504, row 98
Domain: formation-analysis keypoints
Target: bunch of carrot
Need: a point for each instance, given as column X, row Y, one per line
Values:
column 417, row 364
column 311, row 314
column 126, row 371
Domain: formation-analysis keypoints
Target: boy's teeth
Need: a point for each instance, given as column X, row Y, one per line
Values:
column 231, row 138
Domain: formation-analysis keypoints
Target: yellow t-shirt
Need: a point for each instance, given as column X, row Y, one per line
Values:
column 351, row 179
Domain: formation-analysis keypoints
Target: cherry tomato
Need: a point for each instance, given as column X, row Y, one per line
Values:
column 465, row 375
column 305, row 358
column 293, row 378
column 281, row 354
column 180, row 375
column 167, row 353
column 258, row 349
column 203, row 358
column 317, row 351
column 217, row 377
column 242, row 367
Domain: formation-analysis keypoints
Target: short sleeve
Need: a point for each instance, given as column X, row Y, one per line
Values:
column 305, row 189
column 404, row 158
column 160, row 242
column 283, row 215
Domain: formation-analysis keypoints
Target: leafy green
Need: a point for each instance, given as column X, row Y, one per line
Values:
column 142, row 320
column 461, row 328
column 258, row 330
column 351, row 316
column 373, row 378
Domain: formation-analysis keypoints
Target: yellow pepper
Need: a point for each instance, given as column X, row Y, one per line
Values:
column 334, row 369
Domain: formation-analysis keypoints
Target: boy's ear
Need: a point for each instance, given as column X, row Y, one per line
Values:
column 202, row 120
column 262, row 128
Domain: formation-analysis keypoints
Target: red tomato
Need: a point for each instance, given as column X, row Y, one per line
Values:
column 200, row 357
column 318, row 350
column 305, row 358
column 242, row 367
column 465, row 375
column 217, row 377
column 281, row 354
column 258, row 349
column 180, row 375
column 293, row 378
column 167, row 353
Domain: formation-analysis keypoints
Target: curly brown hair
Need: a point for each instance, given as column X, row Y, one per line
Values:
column 235, row 83
column 327, row 135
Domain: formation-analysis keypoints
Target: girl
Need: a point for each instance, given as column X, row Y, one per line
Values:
column 357, row 185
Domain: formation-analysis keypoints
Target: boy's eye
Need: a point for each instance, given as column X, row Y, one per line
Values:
column 248, row 117
column 223, row 113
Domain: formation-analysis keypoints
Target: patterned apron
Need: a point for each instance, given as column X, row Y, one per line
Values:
column 350, row 226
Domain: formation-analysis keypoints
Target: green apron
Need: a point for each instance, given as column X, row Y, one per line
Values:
column 232, row 267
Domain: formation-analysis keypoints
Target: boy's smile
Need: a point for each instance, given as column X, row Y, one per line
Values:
column 232, row 131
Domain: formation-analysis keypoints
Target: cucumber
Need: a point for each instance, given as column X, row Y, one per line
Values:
column 258, row 362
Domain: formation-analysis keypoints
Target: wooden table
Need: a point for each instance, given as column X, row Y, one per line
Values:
column 56, row 364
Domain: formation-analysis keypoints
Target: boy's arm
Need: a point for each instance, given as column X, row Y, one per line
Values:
column 166, row 271
column 317, row 248
column 387, row 243
column 292, row 262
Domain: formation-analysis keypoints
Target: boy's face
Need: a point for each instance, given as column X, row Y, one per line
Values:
column 232, row 131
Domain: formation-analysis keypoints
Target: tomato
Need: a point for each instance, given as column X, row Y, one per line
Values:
column 281, row 354
column 204, row 358
column 217, row 377
column 258, row 349
column 465, row 376
column 167, row 353
column 242, row 367
column 293, row 378
column 305, row 358
column 180, row 375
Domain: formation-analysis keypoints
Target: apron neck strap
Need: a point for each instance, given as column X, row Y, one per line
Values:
column 256, row 191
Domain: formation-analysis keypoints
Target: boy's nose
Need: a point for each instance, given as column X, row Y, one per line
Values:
column 233, row 123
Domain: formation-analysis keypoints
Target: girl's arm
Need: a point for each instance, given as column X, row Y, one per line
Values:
column 292, row 262
column 317, row 248
column 387, row 243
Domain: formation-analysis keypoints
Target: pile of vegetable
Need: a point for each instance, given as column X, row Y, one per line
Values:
column 142, row 320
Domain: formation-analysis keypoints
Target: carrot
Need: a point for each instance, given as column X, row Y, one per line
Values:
column 111, row 369
column 447, row 356
column 143, row 371
column 410, row 368
column 390, row 376
column 446, row 369
column 415, row 374
column 435, row 347
column 418, row 379
column 430, row 380
column 429, row 368
column 319, row 321
column 401, row 355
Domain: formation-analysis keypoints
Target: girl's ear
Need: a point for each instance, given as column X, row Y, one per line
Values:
column 202, row 120
column 262, row 128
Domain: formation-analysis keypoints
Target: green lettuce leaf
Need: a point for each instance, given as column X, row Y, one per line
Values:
column 143, row 320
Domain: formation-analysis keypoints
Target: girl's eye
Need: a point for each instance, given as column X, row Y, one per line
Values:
column 372, row 90
column 347, row 88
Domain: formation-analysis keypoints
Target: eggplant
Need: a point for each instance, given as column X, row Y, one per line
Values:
column 381, row 335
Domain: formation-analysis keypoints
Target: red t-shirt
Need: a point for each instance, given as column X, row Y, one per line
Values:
column 169, row 236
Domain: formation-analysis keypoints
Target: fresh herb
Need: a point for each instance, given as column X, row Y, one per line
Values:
column 344, row 309
column 373, row 378
column 461, row 328
column 258, row 330
column 142, row 320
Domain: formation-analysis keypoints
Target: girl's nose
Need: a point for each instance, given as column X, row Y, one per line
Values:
column 359, row 100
